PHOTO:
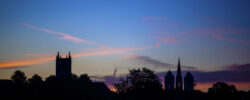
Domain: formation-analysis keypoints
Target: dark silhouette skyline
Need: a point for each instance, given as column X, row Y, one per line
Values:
column 179, row 84
column 188, row 80
column 169, row 81
column 140, row 84
column 211, row 37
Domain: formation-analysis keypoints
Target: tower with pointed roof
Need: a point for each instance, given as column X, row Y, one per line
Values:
column 179, row 84
column 189, row 82
column 63, row 66
column 169, row 81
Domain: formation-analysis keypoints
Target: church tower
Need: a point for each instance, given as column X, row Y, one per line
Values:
column 63, row 66
column 189, row 82
column 169, row 81
column 179, row 85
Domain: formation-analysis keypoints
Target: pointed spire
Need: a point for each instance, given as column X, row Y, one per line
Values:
column 179, row 66
column 69, row 55
column 179, row 84
column 179, row 63
column 57, row 56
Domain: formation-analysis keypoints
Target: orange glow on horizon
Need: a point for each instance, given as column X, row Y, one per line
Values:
column 94, row 52
column 26, row 62
column 245, row 86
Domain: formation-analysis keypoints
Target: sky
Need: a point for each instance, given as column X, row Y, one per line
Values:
column 108, row 37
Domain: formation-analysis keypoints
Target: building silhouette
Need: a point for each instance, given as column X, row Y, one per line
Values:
column 169, row 81
column 63, row 66
column 179, row 84
column 188, row 80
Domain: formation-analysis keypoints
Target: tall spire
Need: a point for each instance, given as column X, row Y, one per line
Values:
column 69, row 55
column 57, row 56
column 179, row 84
column 179, row 67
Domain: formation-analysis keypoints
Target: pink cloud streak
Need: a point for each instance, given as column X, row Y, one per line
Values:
column 103, row 50
column 160, row 22
column 92, row 52
column 64, row 35
column 217, row 37
column 157, row 44
column 168, row 39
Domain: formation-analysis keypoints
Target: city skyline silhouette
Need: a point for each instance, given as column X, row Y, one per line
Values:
column 65, row 85
column 105, row 39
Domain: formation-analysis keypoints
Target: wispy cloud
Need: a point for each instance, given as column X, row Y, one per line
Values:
column 153, row 62
column 107, row 51
column 230, row 73
column 64, row 36
column 93, row 52
column 160, row 22
column 227, row 31
column 222, row 37
column 147, row 60
column 102, row 50
column 25, row 62
column 217, row 37
column 169, row 39
column 238, row 67
column 157, row 44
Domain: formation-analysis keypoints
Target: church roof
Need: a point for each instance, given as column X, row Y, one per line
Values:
column 169, row 74
column 102, row 87
column 188, row 75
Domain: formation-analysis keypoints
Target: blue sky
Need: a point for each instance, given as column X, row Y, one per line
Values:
column 207, row 35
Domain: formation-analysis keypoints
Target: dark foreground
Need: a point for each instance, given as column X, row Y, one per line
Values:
column 135, row 87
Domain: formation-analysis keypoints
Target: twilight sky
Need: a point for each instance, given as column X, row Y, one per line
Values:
column 211, row 37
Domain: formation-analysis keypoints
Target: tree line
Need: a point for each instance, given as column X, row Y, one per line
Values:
column 140, row 84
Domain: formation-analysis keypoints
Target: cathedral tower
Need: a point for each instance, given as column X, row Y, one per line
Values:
column 169, row 81
column 63, row 66
column 179, row 84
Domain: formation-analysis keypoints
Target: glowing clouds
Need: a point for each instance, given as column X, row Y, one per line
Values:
column 64, row 36
column 27, row 62
column 157, row 44
column 92, row 52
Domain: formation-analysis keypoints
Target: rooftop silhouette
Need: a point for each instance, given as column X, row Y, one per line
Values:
column 140, row 84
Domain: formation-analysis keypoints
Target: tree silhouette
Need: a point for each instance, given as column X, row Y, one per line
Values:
column 72, row 77
column 140, row 84
column 51, row 78
column 35, row 87
column 144, row 78
column 85, row 78
column 221, row 87
column 35, row 79
column 18, row 77
column 221, row 90
column 122, row 86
